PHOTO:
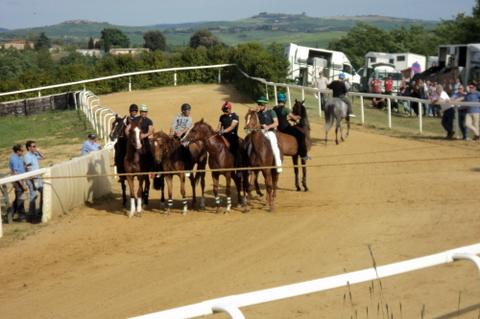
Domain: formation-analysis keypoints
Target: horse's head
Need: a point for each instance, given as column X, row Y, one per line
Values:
column 133, row 135
column 300, row 110
column 160, row 145
column 118, row 128
column 201, row 130
column 252, row 121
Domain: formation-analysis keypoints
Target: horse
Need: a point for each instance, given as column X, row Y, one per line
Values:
column 117, row 135
column 133, row 164
column 259, row 154
column 219, row 157
column 198, row 156
column 303, row 125
column 336, row 110
column 169, row 152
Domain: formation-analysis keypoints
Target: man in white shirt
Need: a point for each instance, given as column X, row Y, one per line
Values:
column 448, row 111
column 321, row 83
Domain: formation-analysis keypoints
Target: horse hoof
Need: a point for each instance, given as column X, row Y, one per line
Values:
column 298, row 189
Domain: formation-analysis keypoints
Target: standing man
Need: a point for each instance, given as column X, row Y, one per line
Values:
column 448, row 111
column 182, row 122
column 473, row 112
column 284, row 115
column 90, row 145
column 35, row 184
column 269, row 122
column 389, row 85
column 340, row 91
column 321, row 84
column 462, row 110
column 17, row 166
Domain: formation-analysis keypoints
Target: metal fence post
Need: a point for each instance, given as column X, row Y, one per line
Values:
column 174, row 78
column 303, row 94
column 362, row 109
column 219, row 76
column 266, row 91
column 319, row 103
column 275, row 93
column 389, row 109
column 420, row 115
column 1, row 221
column 289, row 97
column 129, row 84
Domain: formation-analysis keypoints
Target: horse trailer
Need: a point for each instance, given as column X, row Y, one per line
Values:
column 465, row 57
column 416, row 63
column 306, row 63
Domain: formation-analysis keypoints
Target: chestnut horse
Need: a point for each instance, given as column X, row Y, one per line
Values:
column 219, row 157
column 170, row 153
column 133, row 164
column 259, row 154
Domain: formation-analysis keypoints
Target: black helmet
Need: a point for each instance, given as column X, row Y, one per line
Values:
column 186, row 107
column 133, row 107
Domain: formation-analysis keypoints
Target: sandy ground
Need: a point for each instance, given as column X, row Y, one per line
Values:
column 405, row 198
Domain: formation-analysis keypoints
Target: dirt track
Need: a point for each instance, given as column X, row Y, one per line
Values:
column 405, row 198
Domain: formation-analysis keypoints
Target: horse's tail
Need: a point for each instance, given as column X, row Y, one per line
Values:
column 329, row 115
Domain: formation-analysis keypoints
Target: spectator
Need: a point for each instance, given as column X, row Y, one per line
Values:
column 462, row 110
column 389, row 85
column 376, row 87
column 448, row 111
column 16, row 166
column 433, row 97
column 321, row 84
column 90, row 145
column 473, row 112
column 414, row 91
column 30, row 159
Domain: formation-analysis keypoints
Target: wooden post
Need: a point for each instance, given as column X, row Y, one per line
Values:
column 275, row 93
column 219, row 76
column 362, row 109
column 175, row 79
column 420, row 115
column 289, row 98
column 266, row 91
column 129, row 84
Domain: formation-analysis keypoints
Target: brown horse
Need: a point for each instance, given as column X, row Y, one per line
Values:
column 303, row 125
column 170, row 153
column 259, row 154
column 133, row 164
column 219, row 157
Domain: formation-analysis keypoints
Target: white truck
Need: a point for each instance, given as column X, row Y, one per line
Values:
column 416, row 63
column 306, row 63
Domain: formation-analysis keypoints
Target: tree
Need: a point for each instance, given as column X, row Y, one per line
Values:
column 114, row 38
column 42, row 42
column 203, row 38
column 154, row 40
column 91, row 44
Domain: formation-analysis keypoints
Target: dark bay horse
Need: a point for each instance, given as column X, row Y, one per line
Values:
column 170, row 153
column 336, row 110
column 259, row 154
column 219, row 157
column 117, row 135
column 133, row 164
column 303, row 125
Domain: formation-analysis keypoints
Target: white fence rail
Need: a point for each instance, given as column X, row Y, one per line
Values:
column 231, row 305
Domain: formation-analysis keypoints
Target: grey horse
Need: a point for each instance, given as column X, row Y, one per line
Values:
column 336, row 110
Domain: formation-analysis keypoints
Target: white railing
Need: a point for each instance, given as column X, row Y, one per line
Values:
column 231, row 305
column 123, row 75
column 361, row 95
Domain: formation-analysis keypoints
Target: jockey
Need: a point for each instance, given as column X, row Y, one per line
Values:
column 228, row 128
column 146, row 124
column 182, row 122
column 133, row 116
column 284, row 115
column 268, row 120
column 340, row 91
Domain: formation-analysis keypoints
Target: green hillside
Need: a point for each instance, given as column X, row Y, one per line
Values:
column 264, row 27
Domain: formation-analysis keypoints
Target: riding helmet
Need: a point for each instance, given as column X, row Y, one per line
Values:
column 186, row 107
column 143, row 108
column 281, row 98
column 227, row 106
column 262, row 100
column 133, row 107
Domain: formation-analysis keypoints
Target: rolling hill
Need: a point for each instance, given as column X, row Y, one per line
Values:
column 264, row 27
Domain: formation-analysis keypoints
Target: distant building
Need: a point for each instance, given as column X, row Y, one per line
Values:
column 90, row 52
column 131, row 51
column 55, row 48
column 18, row 44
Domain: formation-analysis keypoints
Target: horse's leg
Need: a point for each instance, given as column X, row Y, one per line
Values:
column 132, row 196
column 215, row 178
column 146, row 189
column 140, row 193
column 124, row 190
column 169, row 180
column 202, row 187
column 184, row 197
column 341, row 129
column 304, row 175
column 348, row 126
column 193, row 183
column 257, row 186
column 228, row 181
column 237, row 179
column 268, row 183
column 295, row 169
column 337, row 127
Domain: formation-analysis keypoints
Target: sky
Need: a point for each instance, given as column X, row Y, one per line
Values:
column 16, row 14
